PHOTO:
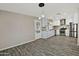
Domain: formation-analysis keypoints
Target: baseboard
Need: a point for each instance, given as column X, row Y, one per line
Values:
column 16, row 45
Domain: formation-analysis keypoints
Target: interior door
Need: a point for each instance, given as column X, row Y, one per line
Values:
column 37, row 25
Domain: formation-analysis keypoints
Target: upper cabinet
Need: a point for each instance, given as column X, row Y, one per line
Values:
column 63, row 22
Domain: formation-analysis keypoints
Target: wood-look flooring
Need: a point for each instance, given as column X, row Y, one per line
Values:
column 54, row 46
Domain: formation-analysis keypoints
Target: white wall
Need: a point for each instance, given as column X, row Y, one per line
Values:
column 78, row 34
column 15, row 29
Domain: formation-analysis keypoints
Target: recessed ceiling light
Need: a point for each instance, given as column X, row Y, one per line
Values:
column 39, row 17
column 42, row 15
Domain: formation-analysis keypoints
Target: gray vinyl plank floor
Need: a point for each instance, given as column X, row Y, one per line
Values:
column 53, row 46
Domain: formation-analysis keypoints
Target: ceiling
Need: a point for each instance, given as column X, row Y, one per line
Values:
column 33, row 9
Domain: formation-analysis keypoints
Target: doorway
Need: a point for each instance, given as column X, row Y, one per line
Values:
column 37, row 25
